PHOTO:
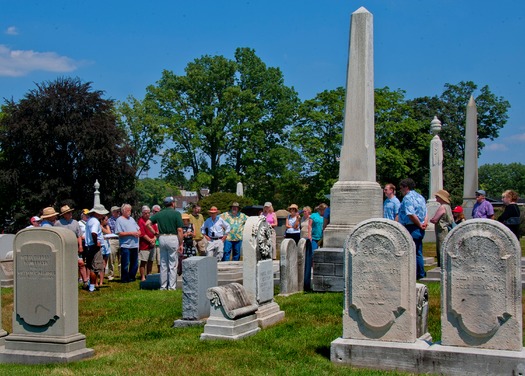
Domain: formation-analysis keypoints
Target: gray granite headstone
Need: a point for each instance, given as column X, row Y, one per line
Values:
column 481, row 287
column 380, row 299
column 292, row 266
column 6, row 245
column 45, row 318
column 199, row 274
column 264, row 281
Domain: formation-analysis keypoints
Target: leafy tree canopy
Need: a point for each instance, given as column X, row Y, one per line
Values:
column 224, row 120
column 497, row 178
column 223, row 201
column 153, row 191
column 55, row 142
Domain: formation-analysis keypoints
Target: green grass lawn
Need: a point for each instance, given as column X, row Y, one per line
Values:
column 130, row 331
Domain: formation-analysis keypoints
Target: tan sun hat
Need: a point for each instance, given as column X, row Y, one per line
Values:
column 293, row 206
column 65, row 209
column 185, row 216
column 444, row 195
column 48, row 213
column 213, row 210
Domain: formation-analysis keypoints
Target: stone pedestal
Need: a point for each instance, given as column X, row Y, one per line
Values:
column 45, row 318
column 350, row 203
column 198, row 275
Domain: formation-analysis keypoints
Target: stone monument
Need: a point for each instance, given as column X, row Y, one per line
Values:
column 436, row 177
column 481, row 287
column 232, row 315
column 240, row 189
column 380, row 311
column 258, row 270
column 356, row 191
column 292, row 266
column 199, row 273
column 96, row 198
column 481, row 309
column 45, row 318
column 470, row 167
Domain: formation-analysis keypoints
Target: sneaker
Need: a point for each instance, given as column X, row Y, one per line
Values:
column 91, row 288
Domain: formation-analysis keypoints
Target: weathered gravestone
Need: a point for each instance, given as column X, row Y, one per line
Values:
column 481, row 287
column 199, row 274
column 481, row 309
column 258, row 270
column 232, row 314
column 481, row 312
column 6, row 260
column 3, row 333
column 380, row 314
column 45, row 318
column 292, row 266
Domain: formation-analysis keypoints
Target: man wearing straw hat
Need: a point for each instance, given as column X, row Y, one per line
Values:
column 215, row 230
column 236, row 220
column 67, row 221
column 442, row 220
column 48, row 217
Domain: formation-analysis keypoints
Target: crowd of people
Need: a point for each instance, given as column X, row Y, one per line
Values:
column 411, row 212
column 112, row 242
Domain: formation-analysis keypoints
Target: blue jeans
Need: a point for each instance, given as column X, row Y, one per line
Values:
column 129, row 264
column 228, row 246
column 314, row 244
column 418, row 235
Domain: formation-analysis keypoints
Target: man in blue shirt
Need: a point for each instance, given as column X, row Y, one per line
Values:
column 413, row 215
column 215, row 230
column 391, row 205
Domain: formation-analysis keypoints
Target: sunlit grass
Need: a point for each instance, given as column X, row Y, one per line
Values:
column 130, row 331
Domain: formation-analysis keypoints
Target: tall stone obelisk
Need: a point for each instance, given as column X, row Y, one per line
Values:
column 356, row 196
column 470, row 166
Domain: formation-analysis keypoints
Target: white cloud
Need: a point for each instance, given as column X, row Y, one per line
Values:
column 496, row 147
column 519, row 137
column 16, row 63
column 11, row 30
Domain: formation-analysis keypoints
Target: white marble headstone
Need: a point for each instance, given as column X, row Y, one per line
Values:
column 481, row 287
column 380, row 283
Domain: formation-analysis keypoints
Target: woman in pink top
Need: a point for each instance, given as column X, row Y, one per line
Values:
column 271, row 218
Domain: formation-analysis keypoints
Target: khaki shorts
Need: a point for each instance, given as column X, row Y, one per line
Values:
column 147, row 255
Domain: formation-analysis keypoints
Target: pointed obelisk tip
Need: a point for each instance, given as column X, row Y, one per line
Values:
column 471, row 101
column 361, row 10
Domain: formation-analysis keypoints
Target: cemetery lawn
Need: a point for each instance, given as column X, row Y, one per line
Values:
column 130, row 331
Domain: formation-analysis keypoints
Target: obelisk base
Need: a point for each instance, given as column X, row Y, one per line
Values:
column 468, row 205
column 350, row 203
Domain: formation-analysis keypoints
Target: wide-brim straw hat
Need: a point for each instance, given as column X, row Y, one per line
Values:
column 293, row 206
column 444, row 195
column 99, row 209
column 213, row 210
column 65, row 209
column 48, row 213
column 235, row 204
column 185, row 216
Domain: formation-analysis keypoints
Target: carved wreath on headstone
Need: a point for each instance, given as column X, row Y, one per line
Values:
column 262, row 233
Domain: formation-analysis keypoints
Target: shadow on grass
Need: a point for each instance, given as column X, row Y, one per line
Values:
column 324, row 351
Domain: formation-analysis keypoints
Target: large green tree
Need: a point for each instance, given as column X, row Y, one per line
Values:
column 144, row 134
column 317, row 133
column 497, row 178
column 226, row 121
column 55, row 142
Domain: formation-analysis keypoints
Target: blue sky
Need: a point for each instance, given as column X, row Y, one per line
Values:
column 123, row 46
